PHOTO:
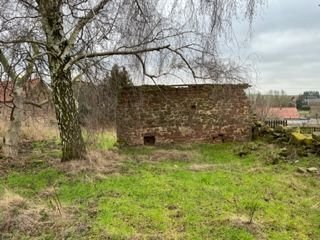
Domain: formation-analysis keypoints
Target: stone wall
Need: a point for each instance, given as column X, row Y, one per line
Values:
column 180, row 114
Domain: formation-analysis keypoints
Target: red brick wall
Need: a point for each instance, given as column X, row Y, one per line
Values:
column 196, row 113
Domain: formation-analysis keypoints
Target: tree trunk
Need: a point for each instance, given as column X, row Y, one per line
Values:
column 12, row 136
column 73, row 146
column 51, row 14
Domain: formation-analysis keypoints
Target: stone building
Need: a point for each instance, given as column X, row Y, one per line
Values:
column 202, row 113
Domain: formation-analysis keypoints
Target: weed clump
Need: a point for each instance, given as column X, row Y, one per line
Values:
column 246, row 149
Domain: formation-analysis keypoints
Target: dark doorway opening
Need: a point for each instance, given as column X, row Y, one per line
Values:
column 149, row 140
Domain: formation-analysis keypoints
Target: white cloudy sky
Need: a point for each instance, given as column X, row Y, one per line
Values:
column 285, row 46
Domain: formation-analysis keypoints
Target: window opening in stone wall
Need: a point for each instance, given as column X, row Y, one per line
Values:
column 149, row 140
column 193, row 107
column 218, row 137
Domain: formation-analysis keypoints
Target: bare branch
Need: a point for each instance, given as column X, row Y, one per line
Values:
column 185, row 61
column 152, row 77
column 80, row 25
column 38, row 105
column 18, row 41
column 8, row 69
column 29, row 68
column 113, row 53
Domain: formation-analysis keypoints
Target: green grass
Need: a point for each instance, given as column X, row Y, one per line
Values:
column 30, row 183
column 105, row 140
column 167, row 200
column 101, row 140
column 304, row 113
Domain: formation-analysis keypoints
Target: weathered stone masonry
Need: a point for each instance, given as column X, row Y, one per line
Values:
column 177, row 114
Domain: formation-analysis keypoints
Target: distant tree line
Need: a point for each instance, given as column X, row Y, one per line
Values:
column 97, row 101
column 273, row 98
column 261, row 103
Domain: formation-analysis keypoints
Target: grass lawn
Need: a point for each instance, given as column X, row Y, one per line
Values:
column 181, row 192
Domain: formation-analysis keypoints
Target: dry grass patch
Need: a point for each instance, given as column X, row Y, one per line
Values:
column 97, row 162
column 20, row 216
column 9, row 200
column 34, row 129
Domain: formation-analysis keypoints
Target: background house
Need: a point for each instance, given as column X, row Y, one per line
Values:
column 35, row 91
column 289, row 115
column 283, row 113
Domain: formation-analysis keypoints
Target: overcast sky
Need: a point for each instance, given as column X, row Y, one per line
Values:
column 285, row 46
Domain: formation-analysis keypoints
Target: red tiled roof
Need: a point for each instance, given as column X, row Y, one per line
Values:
column 283, row 113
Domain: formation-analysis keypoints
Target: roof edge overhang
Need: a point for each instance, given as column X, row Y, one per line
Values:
column 227, row 85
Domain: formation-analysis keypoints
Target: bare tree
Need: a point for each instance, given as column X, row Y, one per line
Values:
column 17, row 83
column 98, row 110
column 261, row 105
column 81, row 38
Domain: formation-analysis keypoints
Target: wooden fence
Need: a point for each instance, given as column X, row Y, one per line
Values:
column 306, row 129
column 274, row 123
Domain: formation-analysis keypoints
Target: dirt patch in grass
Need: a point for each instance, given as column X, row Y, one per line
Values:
column 256, row 170
column 201, row 167
column 241, row 222
column 160, row 155
column 253, row 228
column 8, row 164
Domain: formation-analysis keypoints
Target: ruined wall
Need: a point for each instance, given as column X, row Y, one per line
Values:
column 194, row 113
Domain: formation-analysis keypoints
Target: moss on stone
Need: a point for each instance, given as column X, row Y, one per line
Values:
column 300, row 138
